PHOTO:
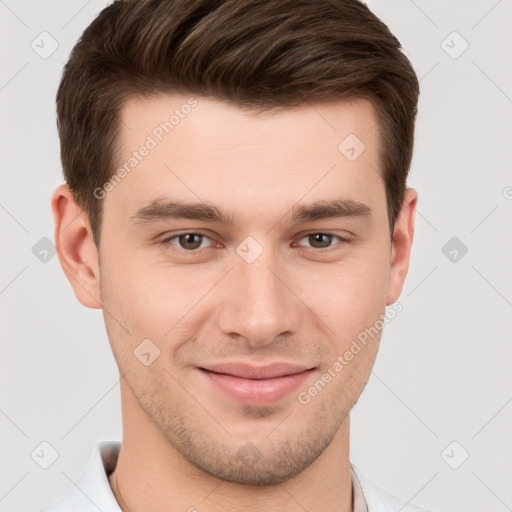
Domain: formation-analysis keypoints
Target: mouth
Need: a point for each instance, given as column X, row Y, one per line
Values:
column 256, row 385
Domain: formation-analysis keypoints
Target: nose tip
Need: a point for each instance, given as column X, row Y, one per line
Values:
column 258, row 305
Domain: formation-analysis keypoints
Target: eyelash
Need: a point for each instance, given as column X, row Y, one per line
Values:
column 166, row 242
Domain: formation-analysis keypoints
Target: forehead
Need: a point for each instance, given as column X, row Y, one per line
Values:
column 202, row 149
column 219, row 122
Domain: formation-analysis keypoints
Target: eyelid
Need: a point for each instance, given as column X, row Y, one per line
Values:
column 342, row 240
column 167, row 240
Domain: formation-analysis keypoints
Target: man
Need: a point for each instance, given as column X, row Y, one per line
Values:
column 236, row 203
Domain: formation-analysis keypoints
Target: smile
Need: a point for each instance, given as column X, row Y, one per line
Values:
column 257, row 385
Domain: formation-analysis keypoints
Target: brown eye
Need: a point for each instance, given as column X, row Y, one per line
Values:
column 189, row 241
column 323, row 240
column 320, row 240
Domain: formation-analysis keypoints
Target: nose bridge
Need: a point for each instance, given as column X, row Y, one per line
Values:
column 259, row 305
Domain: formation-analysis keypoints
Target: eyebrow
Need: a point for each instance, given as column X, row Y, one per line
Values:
column 164, row 209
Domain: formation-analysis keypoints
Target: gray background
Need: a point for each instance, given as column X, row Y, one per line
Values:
column 443, row 373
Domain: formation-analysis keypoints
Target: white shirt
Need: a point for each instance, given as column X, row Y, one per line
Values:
column 92, row 491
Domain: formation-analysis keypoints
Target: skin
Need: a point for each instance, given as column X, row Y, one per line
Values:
column 184, row 440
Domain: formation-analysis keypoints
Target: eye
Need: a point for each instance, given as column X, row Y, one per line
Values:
column 189, row 241
column 192, row 241
column 323, row 240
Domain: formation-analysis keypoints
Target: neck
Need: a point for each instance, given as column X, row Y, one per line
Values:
column 151, row 475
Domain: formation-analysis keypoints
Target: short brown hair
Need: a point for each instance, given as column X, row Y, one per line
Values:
column 257, row 54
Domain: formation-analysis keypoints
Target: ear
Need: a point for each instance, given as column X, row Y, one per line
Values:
column 403, row 235
column 77, row 253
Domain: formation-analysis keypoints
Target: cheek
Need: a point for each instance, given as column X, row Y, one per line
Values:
column 347, row 295
column 130, row 304
column 156, row 301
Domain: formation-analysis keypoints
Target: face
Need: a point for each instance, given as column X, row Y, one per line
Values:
column 241, row 257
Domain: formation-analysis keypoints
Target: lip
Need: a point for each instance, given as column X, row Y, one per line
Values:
column 257, row 385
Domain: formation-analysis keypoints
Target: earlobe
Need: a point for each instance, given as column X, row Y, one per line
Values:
column 77, row 253
column 403, row 236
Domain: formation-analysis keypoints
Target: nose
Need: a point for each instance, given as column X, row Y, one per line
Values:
column 259, row 304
